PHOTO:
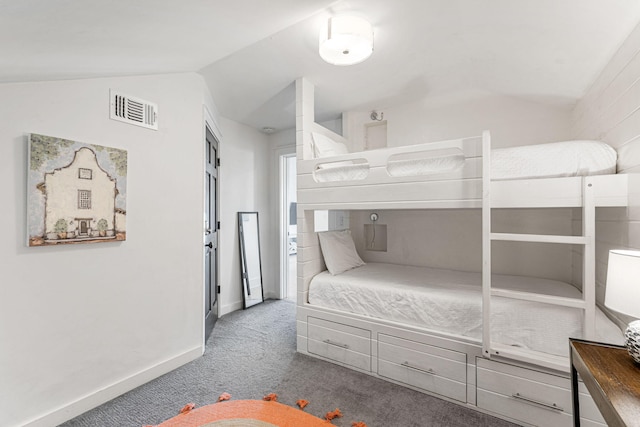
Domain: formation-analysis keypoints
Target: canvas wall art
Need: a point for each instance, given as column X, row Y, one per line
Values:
column 76, row 192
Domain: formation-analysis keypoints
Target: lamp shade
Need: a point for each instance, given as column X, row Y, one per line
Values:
column 346, row 40
column 623, row 282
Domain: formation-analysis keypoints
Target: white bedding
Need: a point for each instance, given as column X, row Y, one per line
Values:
column 450, row 301
column 557, row 159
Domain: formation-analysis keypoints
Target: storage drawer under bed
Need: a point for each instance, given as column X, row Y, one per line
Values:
column 533, row 397
column 342, row 343
column 430, row 368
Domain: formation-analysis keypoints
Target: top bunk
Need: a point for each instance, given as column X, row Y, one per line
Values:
column 449, row 174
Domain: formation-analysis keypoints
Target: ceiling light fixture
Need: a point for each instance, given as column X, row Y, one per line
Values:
column 346, row 40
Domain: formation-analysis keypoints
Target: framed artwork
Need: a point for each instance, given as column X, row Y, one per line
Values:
column 76, row 192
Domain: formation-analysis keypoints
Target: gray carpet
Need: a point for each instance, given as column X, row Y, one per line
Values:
column 250, row 354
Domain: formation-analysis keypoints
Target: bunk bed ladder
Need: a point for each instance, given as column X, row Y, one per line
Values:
column 586, row 240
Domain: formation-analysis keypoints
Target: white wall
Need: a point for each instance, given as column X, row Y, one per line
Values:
column 80, row 324
column 610, row 111
column 245, row 186
column 511, row 121
column 452, row 239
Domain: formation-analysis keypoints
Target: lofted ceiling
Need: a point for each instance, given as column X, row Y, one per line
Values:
column 251, row 51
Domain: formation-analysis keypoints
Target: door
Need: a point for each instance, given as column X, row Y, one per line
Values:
column 84, row 227
column 211, row 226
column 289, row 226
column 290, row 214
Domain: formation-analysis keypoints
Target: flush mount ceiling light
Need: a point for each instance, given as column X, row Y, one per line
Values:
column 346, row 40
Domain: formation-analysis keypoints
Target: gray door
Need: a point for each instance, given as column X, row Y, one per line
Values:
column 211, row 226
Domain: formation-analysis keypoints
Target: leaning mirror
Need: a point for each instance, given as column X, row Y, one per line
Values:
column 251, row 267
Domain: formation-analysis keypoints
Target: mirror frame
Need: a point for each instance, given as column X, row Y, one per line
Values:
column 244, row 277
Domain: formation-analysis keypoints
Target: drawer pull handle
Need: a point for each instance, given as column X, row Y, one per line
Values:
column 426, row 371
column 537, row 402
column 337, row 344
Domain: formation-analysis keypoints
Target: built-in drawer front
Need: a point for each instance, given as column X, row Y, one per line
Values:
column 434, row 369
column 342, row 343
column 530, row 396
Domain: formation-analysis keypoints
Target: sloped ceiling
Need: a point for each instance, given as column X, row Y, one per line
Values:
column 251, row 51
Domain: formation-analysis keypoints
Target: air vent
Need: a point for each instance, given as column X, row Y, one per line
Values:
column 135, row 111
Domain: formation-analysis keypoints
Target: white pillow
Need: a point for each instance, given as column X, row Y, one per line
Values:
column 323, row 146
column 339, row 251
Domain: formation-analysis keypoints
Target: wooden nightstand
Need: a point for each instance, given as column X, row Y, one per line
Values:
column 612, row 378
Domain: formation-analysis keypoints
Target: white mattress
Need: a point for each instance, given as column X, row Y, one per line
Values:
column 450, row 301
column 557, row 159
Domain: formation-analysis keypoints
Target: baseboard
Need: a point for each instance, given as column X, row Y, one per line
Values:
column 116, row 389
column 229, row 308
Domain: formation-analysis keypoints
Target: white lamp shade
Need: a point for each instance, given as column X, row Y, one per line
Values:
column 623, row 282
column 346, row 40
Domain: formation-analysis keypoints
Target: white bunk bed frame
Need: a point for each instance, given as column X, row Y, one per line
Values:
column 516, row 384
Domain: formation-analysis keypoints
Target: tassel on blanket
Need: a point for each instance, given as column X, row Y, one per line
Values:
column 302, row 403
column 271, row 397
column 224, row 396
column 358, row 424
column 186, row 408
column 331, row 415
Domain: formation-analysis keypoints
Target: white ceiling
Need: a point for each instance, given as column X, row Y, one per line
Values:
column 251, row 51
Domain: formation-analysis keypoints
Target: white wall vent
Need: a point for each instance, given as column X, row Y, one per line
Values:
column 135, row 111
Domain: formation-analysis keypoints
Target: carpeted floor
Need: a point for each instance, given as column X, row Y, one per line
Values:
column 250, row 354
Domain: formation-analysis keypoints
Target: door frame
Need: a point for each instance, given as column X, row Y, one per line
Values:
column 281, row 154
column 211, row 125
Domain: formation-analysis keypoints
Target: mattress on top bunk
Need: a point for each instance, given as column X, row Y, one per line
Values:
column 552, row 160
column 450, row 301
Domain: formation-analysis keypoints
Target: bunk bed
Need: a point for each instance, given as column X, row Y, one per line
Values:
column 479, row 363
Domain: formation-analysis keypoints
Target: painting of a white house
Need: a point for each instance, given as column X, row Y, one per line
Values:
column 76, row 192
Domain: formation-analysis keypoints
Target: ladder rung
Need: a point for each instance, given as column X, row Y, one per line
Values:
column 542, row 238
column 547, row 299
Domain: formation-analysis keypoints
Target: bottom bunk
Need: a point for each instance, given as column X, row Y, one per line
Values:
column 421, row 327
column 450, row 302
